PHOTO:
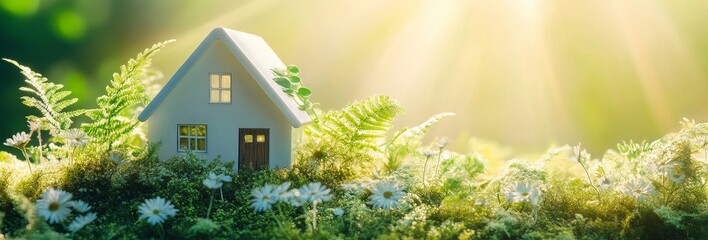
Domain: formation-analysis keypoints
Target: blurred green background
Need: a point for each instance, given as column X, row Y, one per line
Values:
column 522, row 73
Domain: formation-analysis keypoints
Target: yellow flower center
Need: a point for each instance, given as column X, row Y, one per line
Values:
column 387, row 195
column 524, row 194
column 156, row 211
column 53, row 207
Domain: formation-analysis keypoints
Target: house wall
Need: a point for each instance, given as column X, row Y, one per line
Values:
column 188, row 103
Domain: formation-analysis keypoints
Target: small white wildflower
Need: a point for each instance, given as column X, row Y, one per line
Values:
column 156, row 210
column 282, row 192
column 338, row 212
column 676, row 173
column 523, row 191
column 81, row 221
column 442, row 143
column 386, row 195
column 263, row 198
column 116, row 156
column 605, row 182
column 18, row 140
column 428, row 153
column 80, row 206
column 75, row 137
column 54, row 205
column 579, row 154
column 224, row 178
column 34, row 125
column 638, row 188
column 212, row 183
column 315, row 192
column 356, row 185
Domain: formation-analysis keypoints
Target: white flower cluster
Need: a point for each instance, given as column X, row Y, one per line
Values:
column 55, row 206
column 523, row 191
column 266, row 196
column 386, row 195
column 214, row 181
column 156, row 210
column 18, row 140
column 638, row 188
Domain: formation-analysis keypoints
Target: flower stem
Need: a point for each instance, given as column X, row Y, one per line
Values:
column 24, row 152
column 39, row 137
column 438, row 164
column 589, row 178
column 211, row 202
column 425, row 169
column 314, row 216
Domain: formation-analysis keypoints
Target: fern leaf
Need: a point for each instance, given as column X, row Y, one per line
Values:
column 360, row 124
column 124, row 94
column 49, row 100
column 416, row 133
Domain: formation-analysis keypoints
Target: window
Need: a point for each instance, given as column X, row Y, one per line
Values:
column 192, row 137
column 248, row 138
column 220, row 88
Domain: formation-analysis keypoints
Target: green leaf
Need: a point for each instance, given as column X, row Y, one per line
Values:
column 304, row 92
column 293, row 69
column 295, row 79
column 283, row 82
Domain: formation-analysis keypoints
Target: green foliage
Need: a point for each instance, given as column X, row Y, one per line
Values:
column 645, row 190
column 114, row 119
column 292, row 85
column 49, row 99
column 407, row 141
column 360, row 125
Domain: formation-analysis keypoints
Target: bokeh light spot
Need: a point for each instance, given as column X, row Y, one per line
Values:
column 69, row 25
column 20, row 7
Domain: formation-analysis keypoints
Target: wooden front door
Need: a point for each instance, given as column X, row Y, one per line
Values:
column 253, row 147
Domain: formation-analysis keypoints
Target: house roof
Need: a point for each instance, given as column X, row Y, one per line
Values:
column 256, row 57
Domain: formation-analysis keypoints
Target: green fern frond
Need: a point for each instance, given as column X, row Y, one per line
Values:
column 113, row 122
column 415, row 134
column 49, row 99
column 360, row 124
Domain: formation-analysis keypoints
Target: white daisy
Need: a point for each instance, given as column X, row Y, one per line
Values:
column 523, row 191
column 223, row 178
column 156, row 210
column 296, row 199
column 442, row 143
column 638, row 188
column 677, row 174
column 338, row 212
column 605, row 182
column 75, row 137
column 18, row 140
column 34, row 125
column 80, row 206
column 356, row 185
column 81, row 221
column 263, row 198
column 428, row 153
column 315, row 192
column 386, row 195
column 282, row 192
column 212, row 183
column 54, row 205
column 579, row 154
column 116, row 156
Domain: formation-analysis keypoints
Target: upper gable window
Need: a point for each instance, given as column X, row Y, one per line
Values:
column 220, row 88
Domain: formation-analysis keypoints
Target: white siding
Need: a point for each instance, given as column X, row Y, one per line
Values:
column 188, row 103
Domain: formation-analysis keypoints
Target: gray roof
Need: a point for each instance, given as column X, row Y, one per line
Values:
column 256, row 57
